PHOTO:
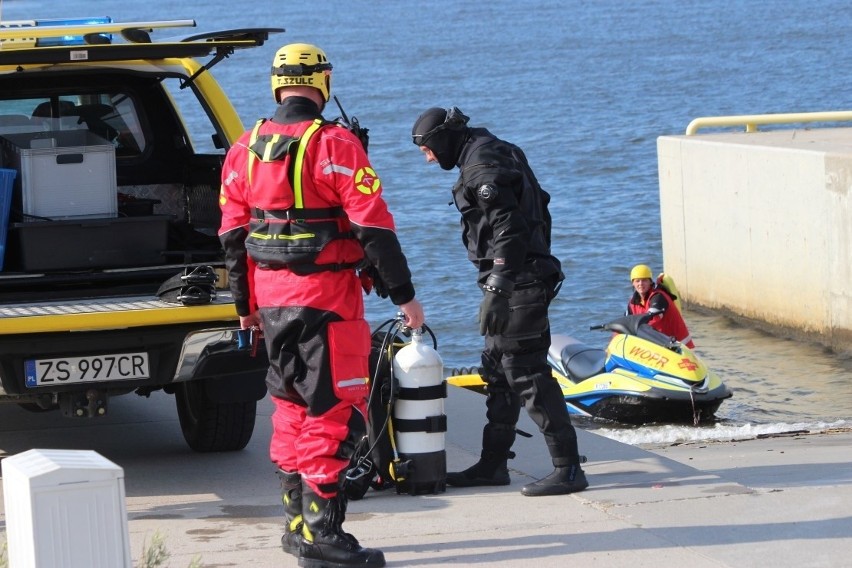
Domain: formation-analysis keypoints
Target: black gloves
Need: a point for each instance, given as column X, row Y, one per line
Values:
column 370, row 280
column 494, row 310
column 493, row 314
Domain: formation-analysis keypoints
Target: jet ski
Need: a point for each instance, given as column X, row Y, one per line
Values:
column 642, row 377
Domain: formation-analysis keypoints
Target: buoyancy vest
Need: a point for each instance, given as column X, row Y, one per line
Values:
column 671, row 322
column 283, row 233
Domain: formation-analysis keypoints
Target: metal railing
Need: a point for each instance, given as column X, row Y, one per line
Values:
column 751, row 121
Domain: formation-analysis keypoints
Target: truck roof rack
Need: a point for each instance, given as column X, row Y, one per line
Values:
column 101, row 39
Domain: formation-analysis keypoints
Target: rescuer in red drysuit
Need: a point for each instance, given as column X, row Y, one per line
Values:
column 301, row 210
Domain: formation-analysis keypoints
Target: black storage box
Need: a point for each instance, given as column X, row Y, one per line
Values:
column 129, row 206
column 43, row 246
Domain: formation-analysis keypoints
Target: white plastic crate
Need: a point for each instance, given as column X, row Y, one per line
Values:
column 65, row 509
column 66, row 174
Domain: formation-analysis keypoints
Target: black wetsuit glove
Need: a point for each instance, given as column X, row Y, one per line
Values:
column 494, row 310
column 379, row 284
column 493, row 314
column 370, row 280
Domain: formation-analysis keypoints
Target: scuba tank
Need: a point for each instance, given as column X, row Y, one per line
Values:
column 405, row 407
column 418, row 422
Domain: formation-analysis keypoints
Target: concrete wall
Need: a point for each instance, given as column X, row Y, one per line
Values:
column 760, row 225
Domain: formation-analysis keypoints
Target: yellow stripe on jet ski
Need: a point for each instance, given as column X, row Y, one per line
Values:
column 604, row 382
column 473, row 381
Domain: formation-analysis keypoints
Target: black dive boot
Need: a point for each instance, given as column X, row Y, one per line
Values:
column 491, row 469
column 563, row 480
column 567, row 476
column 291, row 497
column 324, row 544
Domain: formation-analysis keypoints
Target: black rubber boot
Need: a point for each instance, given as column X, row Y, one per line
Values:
column 564, row 479
column 491, row 469
column 291, row 497
column 324, row 544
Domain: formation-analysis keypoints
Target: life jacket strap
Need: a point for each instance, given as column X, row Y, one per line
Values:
column 305, row 269
column 294, row 214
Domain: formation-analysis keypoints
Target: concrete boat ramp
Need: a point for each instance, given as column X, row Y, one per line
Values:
column 775, row 501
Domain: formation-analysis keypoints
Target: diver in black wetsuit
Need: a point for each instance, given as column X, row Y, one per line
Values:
column 506, row 229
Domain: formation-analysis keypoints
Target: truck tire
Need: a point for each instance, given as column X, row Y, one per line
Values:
column 210, row 426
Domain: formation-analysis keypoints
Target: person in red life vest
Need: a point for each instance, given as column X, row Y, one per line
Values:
column 302, row 212
column 649, row 297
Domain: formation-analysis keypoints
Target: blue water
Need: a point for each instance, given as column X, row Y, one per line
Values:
column 585, row 87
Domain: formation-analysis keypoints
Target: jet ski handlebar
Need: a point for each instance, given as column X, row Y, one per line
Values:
column 628, row 324
column 637, row 324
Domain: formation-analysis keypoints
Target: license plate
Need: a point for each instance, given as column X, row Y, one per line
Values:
column 90, row 369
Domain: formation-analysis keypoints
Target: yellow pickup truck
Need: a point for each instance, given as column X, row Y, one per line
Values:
column 112, row 278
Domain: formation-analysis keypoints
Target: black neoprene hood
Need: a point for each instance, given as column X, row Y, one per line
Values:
column 444, row 137
column 426, row 123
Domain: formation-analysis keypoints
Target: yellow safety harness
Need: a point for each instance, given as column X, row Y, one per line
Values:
column 275, row 147
column 290, row 238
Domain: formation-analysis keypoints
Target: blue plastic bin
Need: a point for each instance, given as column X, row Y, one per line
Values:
column 7, row 181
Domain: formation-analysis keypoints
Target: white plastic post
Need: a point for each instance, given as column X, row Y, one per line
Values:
column 65, row 509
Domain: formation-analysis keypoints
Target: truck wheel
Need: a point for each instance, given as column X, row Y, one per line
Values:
column 210, row 426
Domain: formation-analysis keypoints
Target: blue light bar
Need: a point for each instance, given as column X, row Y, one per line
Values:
column 71, row 39
column 73, row 21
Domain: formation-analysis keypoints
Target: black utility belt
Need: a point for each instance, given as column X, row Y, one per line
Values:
column 298, row 214
column 305, row 269
column 518, row 286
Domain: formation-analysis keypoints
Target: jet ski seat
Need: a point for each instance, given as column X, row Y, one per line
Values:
column 577, row 360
